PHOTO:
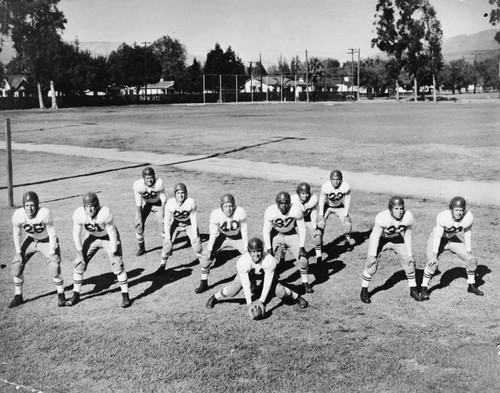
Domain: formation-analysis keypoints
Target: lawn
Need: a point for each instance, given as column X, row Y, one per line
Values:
column 167, row 341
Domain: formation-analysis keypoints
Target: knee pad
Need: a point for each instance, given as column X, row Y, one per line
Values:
column 232, row 289
column 117, row 264
column 431, row 266
column 347, row 224
column 280, row 291
column 206, row 262
column 197, row 245
column 166, row 250
column 371, row 265
column 472, row 264
column 16, row 268
column 317, row 238
column 303, row 263
column 55, row 265
column 79, row 265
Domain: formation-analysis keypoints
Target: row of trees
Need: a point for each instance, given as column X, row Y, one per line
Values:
column 408, row 31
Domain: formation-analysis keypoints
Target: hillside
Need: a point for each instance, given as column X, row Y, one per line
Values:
column 482, row 44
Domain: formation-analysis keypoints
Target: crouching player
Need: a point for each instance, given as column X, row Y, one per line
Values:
column 255, row 263
column 444, row 237
column 228, row 228
column 101, row 233
column 392, row 231
column 41, row 237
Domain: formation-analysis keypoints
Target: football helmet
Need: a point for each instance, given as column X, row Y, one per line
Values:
column 458, row 201
column 90, row 198
column 31, row 196
column 148, row 171
column 255, row 244
column 395, row 201
column 283, row 196
column 306, row 188
column 227, row 198
column 336, row 173
column 180, row 186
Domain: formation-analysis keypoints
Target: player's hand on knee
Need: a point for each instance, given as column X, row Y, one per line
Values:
column 17, row 258
column 53, row 258
column 302, row 253
column 270, row 251
column 321, row 224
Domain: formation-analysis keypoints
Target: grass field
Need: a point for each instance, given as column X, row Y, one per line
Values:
column 167, row 341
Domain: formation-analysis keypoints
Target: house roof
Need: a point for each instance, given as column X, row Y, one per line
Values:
column 15, row 80
column 162, row 85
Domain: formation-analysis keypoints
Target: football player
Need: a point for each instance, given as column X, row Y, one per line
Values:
column 228, row 228
column 444, row 237
column 150, row 197
column 335, row 198
column 284, row 228
column 309, row 205
column 101, row 232
column 41, row 237
column 256, row 264
column 392, row 231
column 180, row 217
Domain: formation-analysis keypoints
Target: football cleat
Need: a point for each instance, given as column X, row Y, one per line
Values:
column 61, row 300
column 319, row 260
column 125, row 300
column 308, row 287
column 302, row 302
column 424, row 295
column 473, row 289
column 17, row 301
column 414, row 294
column 203, row 286
column 211, row 302
column 75, row 298
column 364, row 296
column 141, row 250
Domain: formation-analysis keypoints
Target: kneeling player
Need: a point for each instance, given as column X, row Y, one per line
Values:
column 40, row 237
column 228, row 228
column 391, row 231
column 444, row 237
column 101, row 233
column 180, row 217
column 257, row 262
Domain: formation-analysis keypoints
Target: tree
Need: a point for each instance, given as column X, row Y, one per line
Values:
column 374, row 76
column 172, row 55
column 35, row 27
column 219, row 62
column 191, row 81
column 410, row 33
column 296, row 66
column 316, row 70
column 495, row 16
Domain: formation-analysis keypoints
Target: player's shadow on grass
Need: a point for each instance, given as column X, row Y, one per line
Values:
column 324, row 270
column 223, row 281
column 333, row 249
column 102, row 284
column 459, row 272
column 158, row 281
column 391, row 282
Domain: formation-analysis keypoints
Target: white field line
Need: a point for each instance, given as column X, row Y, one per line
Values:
column 487, row 193
column 18, row 386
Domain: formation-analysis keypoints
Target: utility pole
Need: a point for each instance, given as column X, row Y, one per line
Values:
column 352, row 51
column 307, row 78
column 145, row 70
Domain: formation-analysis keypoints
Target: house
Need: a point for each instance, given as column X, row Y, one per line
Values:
column 14, row 85
column 160, row 88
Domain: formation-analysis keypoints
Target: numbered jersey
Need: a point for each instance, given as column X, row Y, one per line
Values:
column 307, row 208
column 283, row 223
column 246, row 265
column 39, row 227
column 391, row 227
column 449, row 227
column 229, row 226
column 181, row 212
column 97, row 226
column 147, row 194
column 335, row 196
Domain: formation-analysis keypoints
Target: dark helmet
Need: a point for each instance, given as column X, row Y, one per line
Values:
column 283, row 196
column 336, row 173
column 395, row 201
column 90, row 198
column 227, row 198
column 458, row 201
column 255, row 244
column 148, row 171
column 304, row 187
column 31, row 196
column 180, row 186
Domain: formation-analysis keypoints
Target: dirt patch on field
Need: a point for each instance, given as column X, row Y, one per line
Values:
column 476, row 192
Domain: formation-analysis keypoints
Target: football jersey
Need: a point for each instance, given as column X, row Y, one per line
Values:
column 388, row 227
column 335, row 197
column 229, row 226
column 181, row 211
column 309, row 209
column 147, row 194
column 101, row 225
column 39, row 227
column 447, row 227
column 245, row 264
column 283, row 223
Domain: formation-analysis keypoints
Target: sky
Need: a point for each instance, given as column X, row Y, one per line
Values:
column 255, row 29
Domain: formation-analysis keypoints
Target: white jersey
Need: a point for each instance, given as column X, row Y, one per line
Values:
column 388, row 227
column 182, row 212
column 290, row 223
column 234, row 227
column 309, row 209
column 40, row 227
column 101, row 225
column 335, row 197
column 151, row 194
column 245, row 264
column 447, row 227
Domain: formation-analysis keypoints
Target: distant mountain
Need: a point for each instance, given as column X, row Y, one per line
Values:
column 101, row 48
column 482, row 44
